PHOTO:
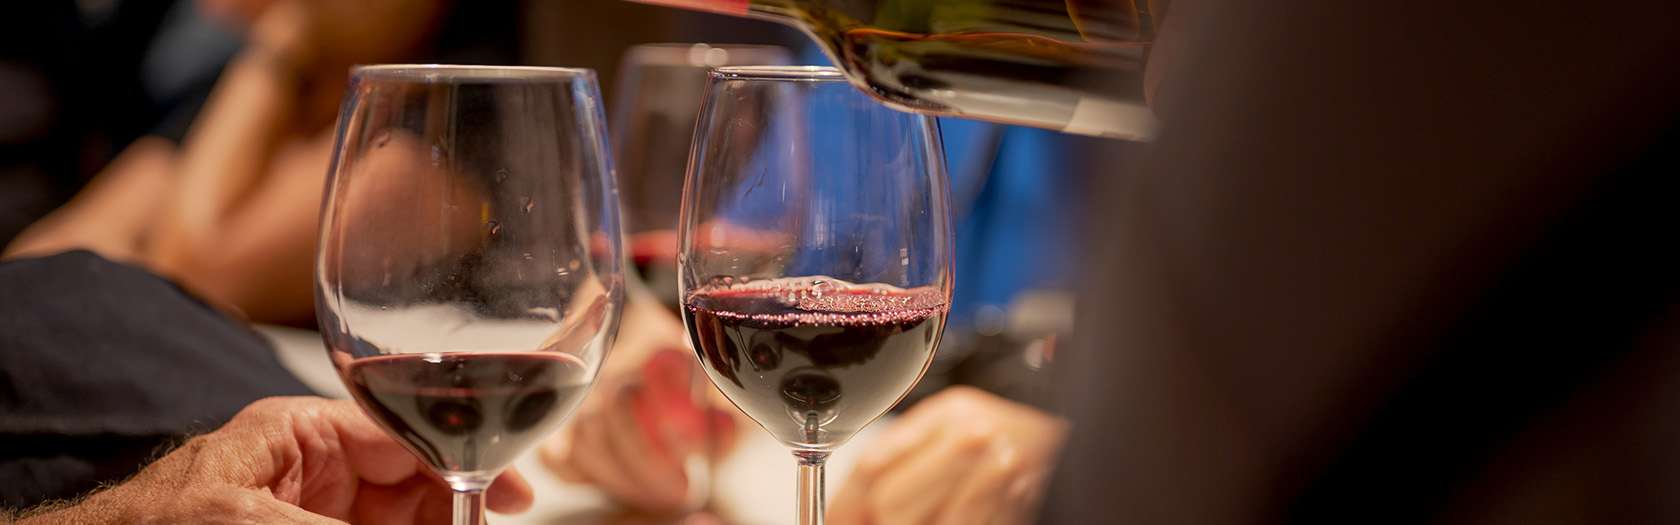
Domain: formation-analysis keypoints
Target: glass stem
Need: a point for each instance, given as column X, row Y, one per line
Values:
column 469, row 507
column 811, row 502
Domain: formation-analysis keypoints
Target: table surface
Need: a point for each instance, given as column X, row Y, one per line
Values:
column 754, row 485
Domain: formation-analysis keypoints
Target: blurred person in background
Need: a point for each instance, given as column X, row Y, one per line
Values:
column 104, row 363
column 238, row 196
column 1390, row 262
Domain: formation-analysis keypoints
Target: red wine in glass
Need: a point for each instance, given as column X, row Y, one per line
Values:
column 795, row 173
column 469, row 412
column 813, row 359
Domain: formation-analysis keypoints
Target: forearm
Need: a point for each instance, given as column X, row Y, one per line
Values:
column 130, row 501
column 228, row 150
column 114, row 505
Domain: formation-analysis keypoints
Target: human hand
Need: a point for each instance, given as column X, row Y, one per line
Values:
column 962, row 456
column 634, row 434
column 287, row 460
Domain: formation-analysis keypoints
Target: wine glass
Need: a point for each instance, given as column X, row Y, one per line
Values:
column 815, row 255
column 651, row 114
column 468, row 277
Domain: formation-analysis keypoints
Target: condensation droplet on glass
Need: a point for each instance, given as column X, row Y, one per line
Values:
column 820, row 287
column 439, row 156
column 547, row 313
column 561, row 271
column 528, row 205
column 381, row 138
column 574, row 264
column 527, row 256
column 495, row 227
column 501, row 175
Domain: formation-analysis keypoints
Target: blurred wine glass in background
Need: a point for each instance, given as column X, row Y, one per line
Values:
column 653, row 111
column 652, row 118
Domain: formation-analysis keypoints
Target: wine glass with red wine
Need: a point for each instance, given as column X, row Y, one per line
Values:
column 815, row 256
column 468, row 277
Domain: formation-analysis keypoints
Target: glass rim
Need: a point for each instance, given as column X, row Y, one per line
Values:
column 689, row 45
column 782, row 73
column 697, row 54
column 468, row 72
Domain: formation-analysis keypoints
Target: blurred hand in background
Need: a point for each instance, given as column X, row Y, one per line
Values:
column 648, row 415
column 961, row 456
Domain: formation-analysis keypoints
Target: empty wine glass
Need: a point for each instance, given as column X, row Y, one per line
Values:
column 815, row 255
column 468, row 276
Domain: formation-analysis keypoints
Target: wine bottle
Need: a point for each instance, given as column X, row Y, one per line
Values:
column 1070, row 65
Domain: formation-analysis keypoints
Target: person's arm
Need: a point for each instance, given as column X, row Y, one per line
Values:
column 252, row 167
column 282, row 460
column 111, row 214
column 224, row 161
